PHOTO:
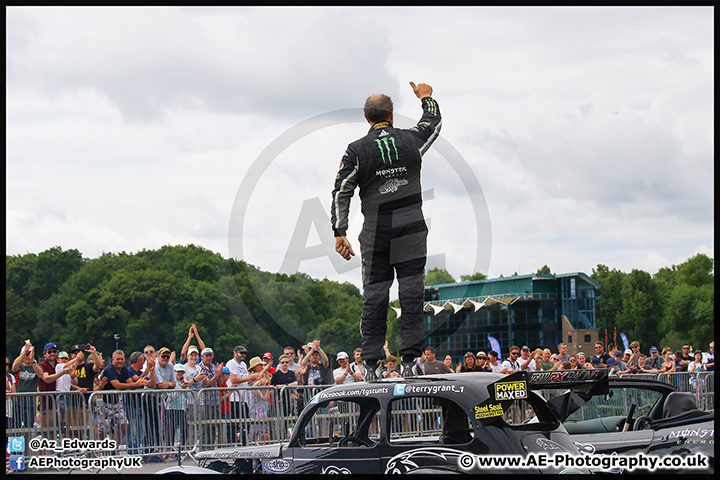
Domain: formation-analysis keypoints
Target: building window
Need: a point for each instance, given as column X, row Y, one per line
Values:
column 569, row 338
column 588, row 339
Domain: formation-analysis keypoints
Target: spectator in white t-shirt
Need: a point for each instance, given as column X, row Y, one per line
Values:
column 511, row 363
column 344, row 373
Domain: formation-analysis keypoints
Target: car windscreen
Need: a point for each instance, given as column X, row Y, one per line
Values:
column 617, row 403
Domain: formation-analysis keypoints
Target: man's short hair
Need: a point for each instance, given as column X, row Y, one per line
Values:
column 599, row 343
column 357, row 350
column 378, row 108
column 118, row 352
column 134, row 357
column 391, row 359
column 492, row 353
column 560, row 345
column 432, row 350
column 283, row 357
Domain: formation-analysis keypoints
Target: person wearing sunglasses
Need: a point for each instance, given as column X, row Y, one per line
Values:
column 164, row 370
column 599, row 360
column 684, row 359
column 511, row 363
column 45, row 371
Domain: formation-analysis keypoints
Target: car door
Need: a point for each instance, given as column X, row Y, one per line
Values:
column 338, row 437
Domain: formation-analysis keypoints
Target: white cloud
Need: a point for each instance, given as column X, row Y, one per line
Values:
column 590, row 131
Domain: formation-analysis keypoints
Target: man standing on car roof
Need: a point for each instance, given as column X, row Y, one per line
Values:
column 386, row 165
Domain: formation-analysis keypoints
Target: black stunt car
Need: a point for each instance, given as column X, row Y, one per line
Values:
column 642, row 416
column 435, row 424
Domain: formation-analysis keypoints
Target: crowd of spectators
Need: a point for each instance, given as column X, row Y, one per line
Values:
column 83, row 369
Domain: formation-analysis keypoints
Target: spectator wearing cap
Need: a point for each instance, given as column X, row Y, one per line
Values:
column 192, row 332
column 210, row 401
column 626, row 355
column 258, row 399
column 175, row 421
column 655, row 362
column 193, row 371
column 599, row 360
column 482, row 362
column 268, row 359
column 63, row 384
column 527, row 361
column 45, row 371
column 195, row 376
column 239, row 377
column 85, row 371
column 620, row 365
column 344, row 373
column 164, row 370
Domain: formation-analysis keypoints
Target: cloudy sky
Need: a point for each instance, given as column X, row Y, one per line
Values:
column 571, row 137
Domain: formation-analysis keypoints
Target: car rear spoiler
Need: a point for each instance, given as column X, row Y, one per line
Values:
column 582, row 385
column 581, row 380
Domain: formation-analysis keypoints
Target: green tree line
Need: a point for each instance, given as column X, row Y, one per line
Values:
column 153, row 296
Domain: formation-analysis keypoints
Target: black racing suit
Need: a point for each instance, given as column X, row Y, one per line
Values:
column 385, row 164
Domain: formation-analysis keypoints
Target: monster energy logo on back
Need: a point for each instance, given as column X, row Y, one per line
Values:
column 384, row 145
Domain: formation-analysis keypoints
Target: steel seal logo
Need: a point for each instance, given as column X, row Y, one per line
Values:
column 487, row 411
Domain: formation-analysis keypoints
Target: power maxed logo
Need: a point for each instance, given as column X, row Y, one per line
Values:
column 511, row 390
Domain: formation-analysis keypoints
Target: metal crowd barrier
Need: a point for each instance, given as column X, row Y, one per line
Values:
column 701, row 384
column 184, row 421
